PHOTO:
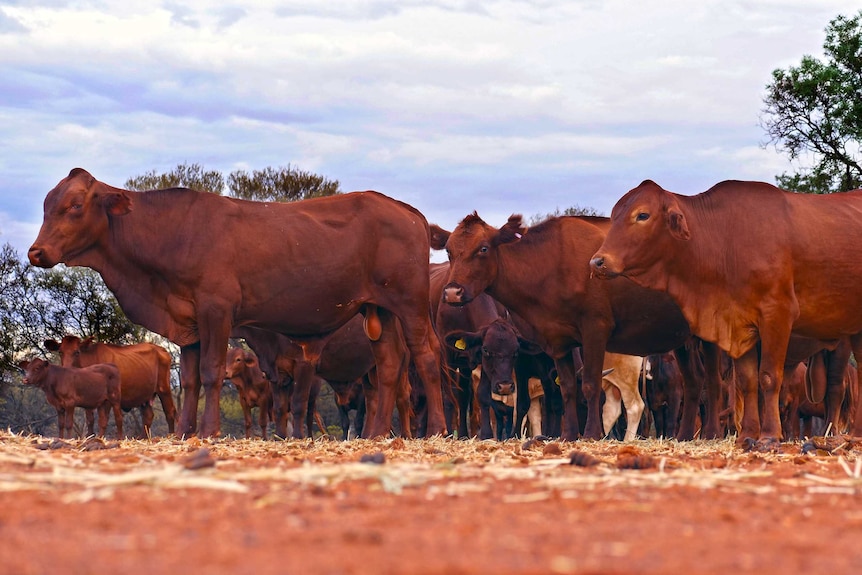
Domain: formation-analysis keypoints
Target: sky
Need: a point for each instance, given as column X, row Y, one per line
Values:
column 449, row 105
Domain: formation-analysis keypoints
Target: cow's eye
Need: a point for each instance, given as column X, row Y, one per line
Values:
column 483, row 250
column 642, row 217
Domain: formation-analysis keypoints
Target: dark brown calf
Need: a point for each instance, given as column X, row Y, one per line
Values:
column 94, row 387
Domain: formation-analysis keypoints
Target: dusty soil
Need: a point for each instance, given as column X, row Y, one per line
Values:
column 427, row 506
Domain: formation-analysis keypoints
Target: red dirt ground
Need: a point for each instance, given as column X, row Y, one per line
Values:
column 431, row 506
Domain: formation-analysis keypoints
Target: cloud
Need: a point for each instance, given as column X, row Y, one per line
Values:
column 451, row 105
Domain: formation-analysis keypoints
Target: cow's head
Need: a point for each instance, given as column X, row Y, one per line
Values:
column 237, row 361
column 499, row 345
column 35, row 371
column 69, row 349
column 76, row 218
column 645, row 223
column 472, row 249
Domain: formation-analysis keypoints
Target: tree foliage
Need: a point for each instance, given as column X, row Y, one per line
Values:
column 574, row 210
column 192, row 176
column 280, row 185
column 815, row 109
column 38, row 304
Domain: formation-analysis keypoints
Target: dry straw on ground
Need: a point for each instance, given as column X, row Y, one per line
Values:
column 94, row 469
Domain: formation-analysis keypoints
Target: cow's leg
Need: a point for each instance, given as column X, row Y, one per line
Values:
column 103, row 418
column 534, row 415
column 856, row 345
column 303, row 379
column 594, row 357
column 692, row 381
column 568, row 388
column 369, row 386
column 311, row 406
column 552, row 417
column 522, row 383
column 403, row 403
column 634, row 405
column 265, row 412
column 465, row 400
column 190, row 380
column 837, row 361
column 483, row 395
column 391, row 367
column 118, row 418
column 773, row 352
column 712, row 388
column 90, row 417
column 163, row 390
column 426, row 356
column 246, row 416
column 747, row 378
column 147, row 417
column 612, row 409
column 69, row 421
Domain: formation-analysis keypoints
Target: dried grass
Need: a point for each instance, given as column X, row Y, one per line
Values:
column 90, row 469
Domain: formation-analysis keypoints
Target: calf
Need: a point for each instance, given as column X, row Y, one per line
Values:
column 254, row 388
column 94, row 387
column 664, row 393
column 499, row 346
column 350, row 396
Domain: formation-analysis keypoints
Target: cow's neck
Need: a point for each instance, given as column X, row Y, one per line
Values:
column 134, row 263
column 699, row 279
column 526, row 274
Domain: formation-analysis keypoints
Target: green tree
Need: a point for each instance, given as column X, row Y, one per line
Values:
column 192, row 176
column 280, row 185
column 815, row 110
column 574, row 210
column 39, row 304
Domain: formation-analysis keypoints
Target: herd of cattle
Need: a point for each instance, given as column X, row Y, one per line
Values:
column 743, row 299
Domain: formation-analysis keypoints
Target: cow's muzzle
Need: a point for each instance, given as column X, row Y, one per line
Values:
column 504, row 388
column 39, row 258
column 454, row 294
column 600, row 266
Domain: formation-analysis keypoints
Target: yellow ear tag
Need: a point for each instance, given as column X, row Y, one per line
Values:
column 461, row 344
column 557, row 380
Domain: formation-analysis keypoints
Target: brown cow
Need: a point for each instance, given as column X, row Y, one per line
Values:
column 746, row 262
column 254, row 388
column 94, row 387
column 543, row 276
column 192, row 265
column 144, row 370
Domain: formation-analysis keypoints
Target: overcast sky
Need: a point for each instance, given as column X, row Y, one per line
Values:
column 450, row 105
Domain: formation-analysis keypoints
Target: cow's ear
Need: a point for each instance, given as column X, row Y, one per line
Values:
column 439, row 237
column 86, row 343
column 511, row 231
column 23, row 364
column 529, row 347
column 52, row 345
column 676, row 224
column 117, row 202
column 463, row 341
